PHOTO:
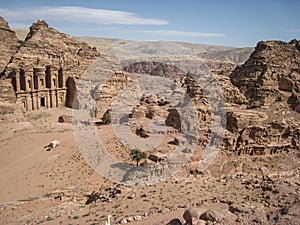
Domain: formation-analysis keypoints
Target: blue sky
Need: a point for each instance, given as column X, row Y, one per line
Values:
column 232, row 22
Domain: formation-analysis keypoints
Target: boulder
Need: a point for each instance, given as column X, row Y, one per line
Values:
column 192, row 213
column 138, row 112
column 292, row 210
column 209, row 215
column 65, row 119
column 218, row 215
column 141, row 132
column 294, row 102
column 174, row 222
column 137, row 218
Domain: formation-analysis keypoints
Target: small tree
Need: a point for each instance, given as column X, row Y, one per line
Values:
column 93, row 113
column 106, row 118
column 136, row 155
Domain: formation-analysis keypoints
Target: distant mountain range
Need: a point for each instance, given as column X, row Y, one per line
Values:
column 207, row 52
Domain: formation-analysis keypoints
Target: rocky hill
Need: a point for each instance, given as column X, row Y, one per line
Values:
column 234, row 55
column 8, row 43
column 208, row 52
column 46, row 46
column 211, row 53
column 270, row 74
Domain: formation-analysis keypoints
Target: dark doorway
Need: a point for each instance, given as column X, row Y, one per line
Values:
column 43, row 104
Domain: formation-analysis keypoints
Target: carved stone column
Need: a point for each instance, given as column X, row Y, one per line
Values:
column 40, row 78
column 34, row 101
column 54, row 77
column 17, row 80
column 29, row 84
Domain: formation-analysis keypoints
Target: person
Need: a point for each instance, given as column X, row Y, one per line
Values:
column 107, row 222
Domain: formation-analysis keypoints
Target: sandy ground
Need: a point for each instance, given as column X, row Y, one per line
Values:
column 32, row 179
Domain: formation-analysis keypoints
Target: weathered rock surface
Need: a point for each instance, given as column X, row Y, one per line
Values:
column 272, row 68
column 294, row 102
column 155, row 69
column 8, row 108
column 231, row 93
column 237, row 119
column 8, row 43
column 192, row 213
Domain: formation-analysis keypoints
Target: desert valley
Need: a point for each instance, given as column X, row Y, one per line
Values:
column 219, row 128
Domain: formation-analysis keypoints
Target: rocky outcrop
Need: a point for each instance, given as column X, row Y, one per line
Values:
column 8, row 43
column 103, row 93
column 294, row 102
column 150, row 107
column 261, row 140
column 231, row 94
column 173, row 119
column 269, row 79
column 155, row 69
column 253, row 136
column 45, row 46
column 271, row 72
column 104, row 194
column 237, row 119
column 9, row 112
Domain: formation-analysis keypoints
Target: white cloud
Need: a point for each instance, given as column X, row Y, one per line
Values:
column 78, row 15
column 176, row 33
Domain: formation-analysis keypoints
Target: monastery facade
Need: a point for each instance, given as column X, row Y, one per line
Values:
column 40, row 87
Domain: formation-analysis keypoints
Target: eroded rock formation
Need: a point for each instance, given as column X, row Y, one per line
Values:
column 8, row 44
column 270, row 74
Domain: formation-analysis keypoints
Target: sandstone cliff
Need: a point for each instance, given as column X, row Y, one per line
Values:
column 270, row 74
column 8, row 43
column 270, row 80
